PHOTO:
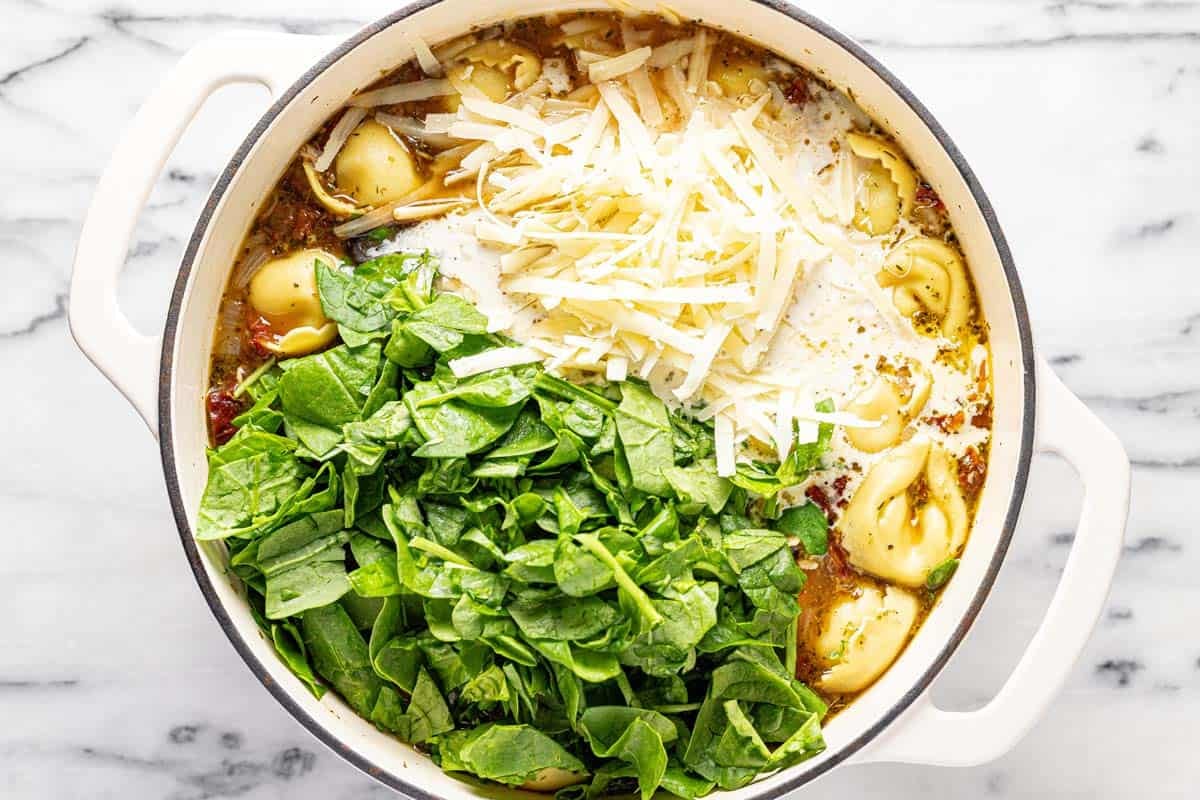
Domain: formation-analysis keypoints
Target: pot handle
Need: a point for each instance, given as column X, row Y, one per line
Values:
column 926, row 734
column 125, row 356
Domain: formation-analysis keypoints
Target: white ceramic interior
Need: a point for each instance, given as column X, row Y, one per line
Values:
column 383, row 46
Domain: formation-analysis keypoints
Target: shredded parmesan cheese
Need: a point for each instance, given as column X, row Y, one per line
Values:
column 404, row 93
column 670, row 53
column 617, row 66
column 338, row 137
column 496, row 358
column 643, row 225
column 647, row 97
column 425, row 57
column 724, row 444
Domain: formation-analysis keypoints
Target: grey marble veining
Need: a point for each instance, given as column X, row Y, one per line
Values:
column 1080, row 118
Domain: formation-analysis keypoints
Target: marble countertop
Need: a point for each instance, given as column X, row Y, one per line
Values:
column 1080, row 118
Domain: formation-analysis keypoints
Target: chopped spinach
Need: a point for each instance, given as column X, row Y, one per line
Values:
column 358, row 298
column 940, row 574
column 521, row 574
column 644, row 427
column 329, row 388
column 809, row 524
column 511, row 754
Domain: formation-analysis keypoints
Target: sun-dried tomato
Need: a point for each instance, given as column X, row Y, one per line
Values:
column 981, row 378
column 839, row 487
column 838, row 558
column 982, row 418
column 819, row 498
column 972, row 470
column 927, row 197
column 223, row 407
column 947, row 423
column 259, row 334
column 797, row 92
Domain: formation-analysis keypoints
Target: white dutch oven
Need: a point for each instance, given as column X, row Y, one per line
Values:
column 893, row 721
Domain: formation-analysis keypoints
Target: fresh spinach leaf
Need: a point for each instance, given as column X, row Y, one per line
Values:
column 405, row 349
column 698, row 485
column 316, row 582
column 551, row 618
column 453, row 429
column 363, row 610
column 340, row 656
column 527, row 436
column 253, row 480
column 533, row 562
column 809, row 524
column 487, row 688
column 644, row 428
column 400, row 661
column 290, row 647
column 428, row 713
column 329, row 388
column 669, row 648
column 348, row 300
column 579, row 572
column 510, row 754
column 499, row 388
column 355, row 298
column 637, row 736
column 452, row 312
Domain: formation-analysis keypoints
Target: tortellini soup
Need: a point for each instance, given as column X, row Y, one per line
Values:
column 647, row 197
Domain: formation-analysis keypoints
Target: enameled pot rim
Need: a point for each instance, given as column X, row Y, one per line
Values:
column 283, row 695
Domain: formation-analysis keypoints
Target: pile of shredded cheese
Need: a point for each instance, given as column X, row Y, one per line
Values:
column 656, row 227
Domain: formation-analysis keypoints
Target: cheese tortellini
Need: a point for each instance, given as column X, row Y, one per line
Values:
column 284, row 293
column 862, row 635
column 497, row 68
column 375, row 166
column 892, row 406
column 338, row 206
column 908, row 516
column 929, row 285
column 551, row 779
column 739, row 74
column 888, row 187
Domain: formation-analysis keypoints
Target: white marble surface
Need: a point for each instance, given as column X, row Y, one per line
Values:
column 1081, row 119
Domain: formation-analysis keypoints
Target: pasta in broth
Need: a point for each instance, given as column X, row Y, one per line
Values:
column 623, row 196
